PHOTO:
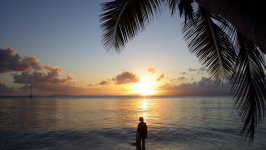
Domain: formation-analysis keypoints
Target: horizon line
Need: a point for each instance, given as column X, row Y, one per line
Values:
column 147, row 96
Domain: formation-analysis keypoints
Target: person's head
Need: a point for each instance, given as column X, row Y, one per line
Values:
column 141, row 119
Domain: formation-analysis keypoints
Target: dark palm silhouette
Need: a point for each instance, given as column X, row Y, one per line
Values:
column 228, row 37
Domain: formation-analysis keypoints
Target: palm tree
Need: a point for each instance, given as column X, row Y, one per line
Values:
column 228, row 37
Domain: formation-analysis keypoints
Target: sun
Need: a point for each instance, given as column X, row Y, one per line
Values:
column 145, row 87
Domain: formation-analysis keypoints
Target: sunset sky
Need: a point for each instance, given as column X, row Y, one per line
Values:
column 57, row 46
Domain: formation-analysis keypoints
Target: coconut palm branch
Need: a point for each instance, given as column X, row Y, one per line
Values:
column 249, row 85
column 248, row 17
column 123, row 19
column 210, row 44
column 183, row 6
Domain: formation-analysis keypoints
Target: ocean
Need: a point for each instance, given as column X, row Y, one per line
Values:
column 109, row 123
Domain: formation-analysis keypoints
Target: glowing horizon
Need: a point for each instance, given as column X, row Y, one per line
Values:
column 145, row 87
column 69, row 58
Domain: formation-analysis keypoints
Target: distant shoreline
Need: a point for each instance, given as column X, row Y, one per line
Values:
column 114, row 96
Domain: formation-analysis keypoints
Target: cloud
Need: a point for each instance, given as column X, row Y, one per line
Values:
column 46, row 79
column 4, row 90
column 183, row 73
column 104, row 82
column 160, row 77
column 192, row 69
column 125, row 77
column 49, row 80
column 202, row 70
column 178, row 79
column 11, row 61
column 151, row 70
column 50, row 74
column 205, row 87
column 181, row 78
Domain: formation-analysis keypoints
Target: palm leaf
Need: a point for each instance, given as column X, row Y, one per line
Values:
column 183, row 6
column 230, row 30
column 123, row 19
column 210, row 44
column 186, row 7
column 173, row 5
column 249, row 85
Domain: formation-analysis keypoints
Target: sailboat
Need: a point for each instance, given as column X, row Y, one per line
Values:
column 30, row 95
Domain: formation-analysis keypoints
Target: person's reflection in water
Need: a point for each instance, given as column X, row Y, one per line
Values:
column 141, row 134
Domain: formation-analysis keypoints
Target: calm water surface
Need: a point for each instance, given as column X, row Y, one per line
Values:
column 109, row 123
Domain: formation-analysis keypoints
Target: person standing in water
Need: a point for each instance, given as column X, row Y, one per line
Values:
column 141, row 134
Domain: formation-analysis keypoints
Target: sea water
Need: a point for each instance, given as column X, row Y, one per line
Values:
column 109, row 123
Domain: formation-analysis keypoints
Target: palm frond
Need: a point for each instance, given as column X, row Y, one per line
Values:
column 183, row 6
column 229, row 29
column 211, row 44
column 123, row 19
column 173, row 5
column 186, row 6
column 249, row 85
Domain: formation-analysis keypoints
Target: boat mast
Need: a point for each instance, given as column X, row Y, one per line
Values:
column 31, row 88
column 30, row 96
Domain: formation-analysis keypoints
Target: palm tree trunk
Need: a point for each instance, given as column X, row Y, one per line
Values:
column 247, row 16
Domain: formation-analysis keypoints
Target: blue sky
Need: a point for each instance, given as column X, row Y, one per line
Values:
column 67, row 34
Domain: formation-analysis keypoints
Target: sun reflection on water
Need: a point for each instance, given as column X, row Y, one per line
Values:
column 144, row 109
column 144, row 104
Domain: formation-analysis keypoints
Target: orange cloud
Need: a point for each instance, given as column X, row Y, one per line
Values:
column 49, row 75
column 45, row 78
column 205, row 87
column 104, row 82
column 49, row 80
column 125, row 77
column 160, row 77
column 11, row 61
column 151, row 70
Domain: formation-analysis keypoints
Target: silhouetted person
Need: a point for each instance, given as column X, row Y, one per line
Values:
column 141, row 134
